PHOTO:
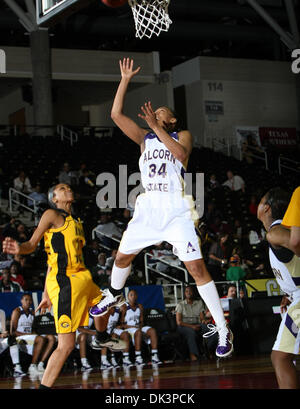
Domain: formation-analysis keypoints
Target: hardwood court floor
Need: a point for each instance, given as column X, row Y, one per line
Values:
column 234, row 373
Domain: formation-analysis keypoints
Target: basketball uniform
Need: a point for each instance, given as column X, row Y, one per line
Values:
column 26, row 342
column 163, row 212
column 286, row 268
column 113, row 322
column 69, row 283
column 132, row 317
column 3, row 341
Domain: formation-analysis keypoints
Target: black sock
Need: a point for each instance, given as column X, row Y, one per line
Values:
column 44, row 386
column 101, row 336
column 115, row 292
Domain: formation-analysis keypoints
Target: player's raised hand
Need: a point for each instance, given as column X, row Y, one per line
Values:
column 149, row 115
column 126, row 68
column 10, row 246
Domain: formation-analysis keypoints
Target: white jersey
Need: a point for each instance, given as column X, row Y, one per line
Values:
column 286, row 268
column 164, row 212
column 113, row 320
column 132, row 317
column 25, row 321
column 160, row 170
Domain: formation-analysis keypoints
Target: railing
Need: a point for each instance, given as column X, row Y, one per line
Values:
column 68, row 134
column 222, row 147
column 179, row 289
column 291, row 163
column 255, row 153
column 161, row 260
column 109, row 236
column 14, row 198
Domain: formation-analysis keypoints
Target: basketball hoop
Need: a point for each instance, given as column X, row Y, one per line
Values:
column 150, row 17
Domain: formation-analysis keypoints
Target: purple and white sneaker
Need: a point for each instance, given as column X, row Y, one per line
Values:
column 225, row 343
column 107, row 302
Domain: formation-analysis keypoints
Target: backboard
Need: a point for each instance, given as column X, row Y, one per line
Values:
column 49, row 12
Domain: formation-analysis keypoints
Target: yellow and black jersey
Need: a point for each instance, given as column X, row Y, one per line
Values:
column 64, row 245
column 69, row 284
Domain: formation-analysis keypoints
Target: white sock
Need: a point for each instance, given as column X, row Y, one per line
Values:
column 209, row 294
column 103, row 358
column 83, row 361
column 154, row 351
column 119, row 276
column 137, row 353
column 14, row 353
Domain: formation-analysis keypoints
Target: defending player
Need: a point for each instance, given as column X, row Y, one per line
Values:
column 69, row 287
column 163, row 213
column 286, row 267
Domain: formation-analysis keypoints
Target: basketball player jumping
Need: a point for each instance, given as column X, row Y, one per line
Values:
column 286, row 267
column 69, row 287
column 162, row 213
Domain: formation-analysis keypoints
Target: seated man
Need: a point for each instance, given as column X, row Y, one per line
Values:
column 132, row 320
column 190, row 313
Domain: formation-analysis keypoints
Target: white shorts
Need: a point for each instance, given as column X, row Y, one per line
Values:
column 158, row 218
column 132, row 331
column 26, row 343
column 117, row 331
column 288, row 337
column 3, row 344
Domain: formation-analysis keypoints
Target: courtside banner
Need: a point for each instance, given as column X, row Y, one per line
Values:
column 278, row 137
column 269, row 285
column 9, row 301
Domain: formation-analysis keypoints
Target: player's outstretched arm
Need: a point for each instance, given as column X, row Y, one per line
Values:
column 11, row 246
column 126, row 124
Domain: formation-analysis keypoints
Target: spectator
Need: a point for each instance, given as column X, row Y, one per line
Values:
column 15, row 274
column 253, row 205
column 10, row 229
column 206, row 239
column 114, row 328
column 132, row 320
column 213, row 183
column 217, row 257
column 250, row 147
column 237, row 230
column 235, row 271
column 3, row 332
column 91, row 253
column 22, row 183
column 22, row 233
column 65, row 175
column 231, row 293
column 124, row 220
column 101, row 272
column 7, row 285
column 190, row 313
column 234, row 182
column 83, row 335
column 25, row 340
column 39, row 197
column 86, row 182
column 110, row 260
column 107, row 229
column 211, row 214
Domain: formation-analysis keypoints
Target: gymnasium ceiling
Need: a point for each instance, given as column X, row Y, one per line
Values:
column 225, row 28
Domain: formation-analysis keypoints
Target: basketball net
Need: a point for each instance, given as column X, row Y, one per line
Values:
column 150, row 17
